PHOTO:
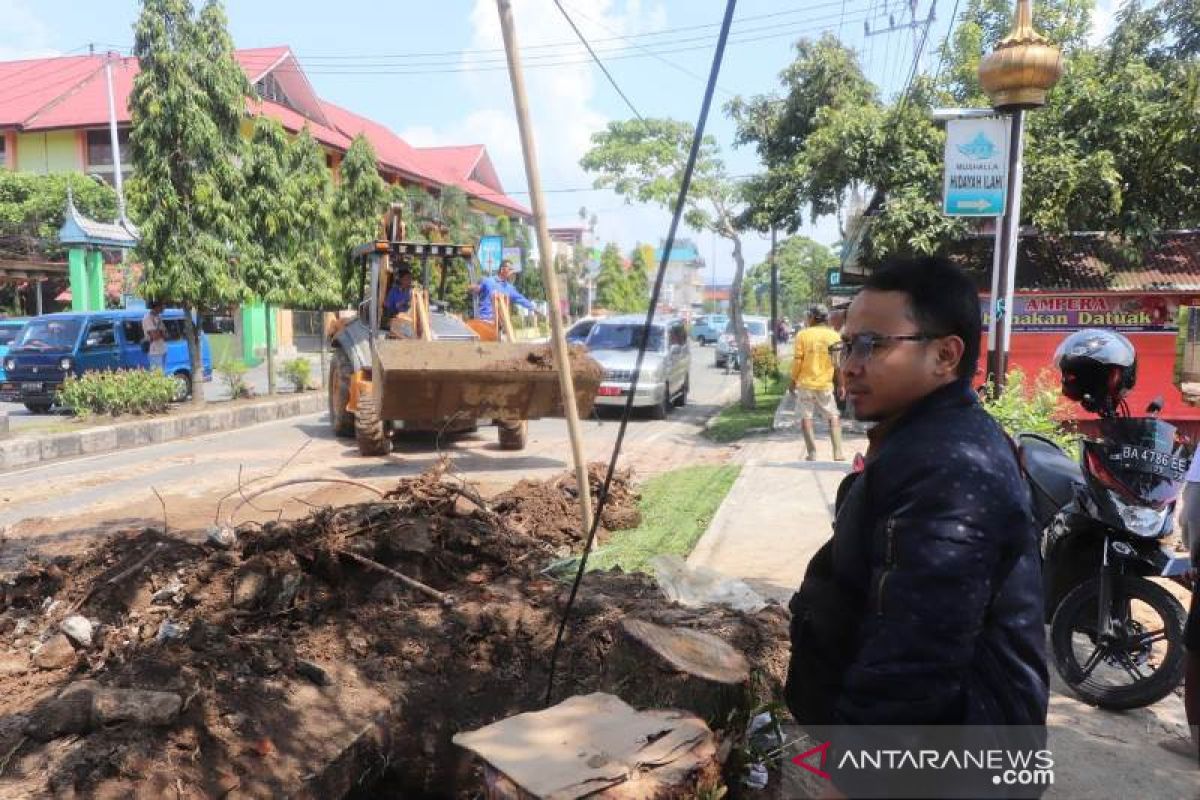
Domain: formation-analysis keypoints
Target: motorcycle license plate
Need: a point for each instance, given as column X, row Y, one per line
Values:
column 1145, row 459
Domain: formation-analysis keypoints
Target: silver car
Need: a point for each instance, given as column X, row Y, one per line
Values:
column 757, row 327
column 663, row 383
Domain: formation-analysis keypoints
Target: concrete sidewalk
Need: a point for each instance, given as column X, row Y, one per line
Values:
column 780, row 511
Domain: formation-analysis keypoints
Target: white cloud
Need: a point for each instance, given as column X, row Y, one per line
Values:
column 23, row 34
column 563, row 106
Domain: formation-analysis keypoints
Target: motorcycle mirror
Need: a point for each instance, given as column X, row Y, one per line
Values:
column 1156, row 405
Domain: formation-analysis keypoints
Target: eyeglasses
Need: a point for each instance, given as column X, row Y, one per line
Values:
column 865, row 345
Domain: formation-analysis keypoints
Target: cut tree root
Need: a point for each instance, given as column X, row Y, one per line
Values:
column 411, row 583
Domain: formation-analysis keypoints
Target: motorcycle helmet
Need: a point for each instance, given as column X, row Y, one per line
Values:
column 1098, row 368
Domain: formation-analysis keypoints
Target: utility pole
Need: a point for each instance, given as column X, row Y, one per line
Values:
column 112, row 135
column 558, row 337
column 1016, row 75
column 774, row 296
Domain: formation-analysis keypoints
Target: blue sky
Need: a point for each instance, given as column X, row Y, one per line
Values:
column 433, row 72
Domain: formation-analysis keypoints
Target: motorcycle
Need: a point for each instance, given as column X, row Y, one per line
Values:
column 1115, row 635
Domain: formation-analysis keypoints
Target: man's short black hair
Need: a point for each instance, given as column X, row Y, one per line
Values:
column 944, row 300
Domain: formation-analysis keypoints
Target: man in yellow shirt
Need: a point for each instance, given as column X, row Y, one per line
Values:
column 814, row 379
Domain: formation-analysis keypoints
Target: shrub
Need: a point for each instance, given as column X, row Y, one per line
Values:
column 134, row 391
column 233, row 374
column 1032, row 409
column 297, row 372
column 766, row 363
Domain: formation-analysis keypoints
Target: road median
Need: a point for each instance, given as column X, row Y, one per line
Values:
column 17, row 450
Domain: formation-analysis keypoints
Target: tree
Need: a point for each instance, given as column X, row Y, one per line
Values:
column 268, row 265
column 187, row 105
column 644, row 161
column 358, row 205
column 612, row 288
column 802, row 265
column 32, row 209
column 1114, row 149
column 641, row 265
column 309, row 193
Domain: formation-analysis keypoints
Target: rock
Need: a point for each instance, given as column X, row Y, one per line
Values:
column 358, row 645
column 22, row 626
column 248, row 589
column 171, row 593
column 55, row 653
column 313, row 672
column 78, row 629
column 222, row 537
column 169, row 631
column 13, row 664
column 464, row 507
column 85, row 706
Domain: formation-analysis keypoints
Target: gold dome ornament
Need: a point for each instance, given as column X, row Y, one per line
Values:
column 1023, row 67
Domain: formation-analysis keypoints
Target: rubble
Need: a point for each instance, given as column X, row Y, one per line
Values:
column 78, row 629
column 308, row 654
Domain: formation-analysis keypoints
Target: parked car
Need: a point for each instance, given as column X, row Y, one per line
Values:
column 663, row 382
column 10, row 329
column 759, row 329
column 707, row 328
column 52, row 346
column 578, row 332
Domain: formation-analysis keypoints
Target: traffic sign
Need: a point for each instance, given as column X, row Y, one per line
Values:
column 976, row 164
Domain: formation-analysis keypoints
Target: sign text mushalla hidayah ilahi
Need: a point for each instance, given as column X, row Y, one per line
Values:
column 1072, row 312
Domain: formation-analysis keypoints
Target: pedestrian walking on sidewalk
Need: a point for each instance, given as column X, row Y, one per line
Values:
column 814, row 380
column 925, row 607
column 1190, row 746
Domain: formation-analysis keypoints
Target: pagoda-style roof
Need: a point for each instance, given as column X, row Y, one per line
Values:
column 79, row 230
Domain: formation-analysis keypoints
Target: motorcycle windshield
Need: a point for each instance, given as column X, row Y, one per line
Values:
column 1144, row 456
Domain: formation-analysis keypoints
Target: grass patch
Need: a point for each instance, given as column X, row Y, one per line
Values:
column 676, row 507
column 734, row 422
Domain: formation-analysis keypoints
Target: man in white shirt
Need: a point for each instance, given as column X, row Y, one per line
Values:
column 156, row 335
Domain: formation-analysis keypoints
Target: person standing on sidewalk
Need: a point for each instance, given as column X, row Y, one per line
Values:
column 1189, row 747
column 925, row 607
column 814, row 380
column 155, row 336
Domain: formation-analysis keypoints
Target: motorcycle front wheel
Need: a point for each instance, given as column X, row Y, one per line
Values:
column 1140, row 663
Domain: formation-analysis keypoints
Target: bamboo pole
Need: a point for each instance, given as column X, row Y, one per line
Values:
column 557, row 334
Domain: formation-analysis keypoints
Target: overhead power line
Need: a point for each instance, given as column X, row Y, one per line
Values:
column 599, row 63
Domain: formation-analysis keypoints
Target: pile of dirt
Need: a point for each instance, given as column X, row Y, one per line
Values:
column 311, row 655
column 549, row 510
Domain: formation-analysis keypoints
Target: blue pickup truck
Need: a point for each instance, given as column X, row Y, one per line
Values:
column 52, row 346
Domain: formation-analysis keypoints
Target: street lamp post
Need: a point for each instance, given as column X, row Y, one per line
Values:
column 1016, row 76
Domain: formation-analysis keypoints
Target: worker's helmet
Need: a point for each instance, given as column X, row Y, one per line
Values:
column 819, row 312
column 1098, row 368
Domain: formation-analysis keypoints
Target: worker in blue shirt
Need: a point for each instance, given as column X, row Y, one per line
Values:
column 399, row 297
column 499, row 283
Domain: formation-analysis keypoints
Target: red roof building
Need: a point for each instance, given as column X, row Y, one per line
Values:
column 54, row 118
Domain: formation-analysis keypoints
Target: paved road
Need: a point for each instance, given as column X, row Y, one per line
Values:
column 48, row 504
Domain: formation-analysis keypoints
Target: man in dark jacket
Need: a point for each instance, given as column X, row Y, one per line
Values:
column 925, row 608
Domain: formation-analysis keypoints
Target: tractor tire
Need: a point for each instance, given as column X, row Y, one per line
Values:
column 341, row 420
column 373, row 434
column 513, row 435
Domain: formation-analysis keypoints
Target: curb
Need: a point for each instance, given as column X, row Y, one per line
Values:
column 29, row 451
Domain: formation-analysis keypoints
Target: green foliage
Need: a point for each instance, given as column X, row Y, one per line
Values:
column 358, row 205
column 187, row 105
column 766, row 363
column 310, row 191
column 135, row 391
column 297, row 372
column 618, row 290
column 802, row 266
column 1115, row 148
column 1035, row 408
column 233, row 375
column 736, row 421
column 267, row 265
column 32, row 209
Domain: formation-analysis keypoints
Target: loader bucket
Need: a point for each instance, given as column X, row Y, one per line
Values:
column 419, row 380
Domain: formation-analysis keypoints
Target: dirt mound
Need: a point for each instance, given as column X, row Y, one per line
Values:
column 549, row 510
column 314, row 654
